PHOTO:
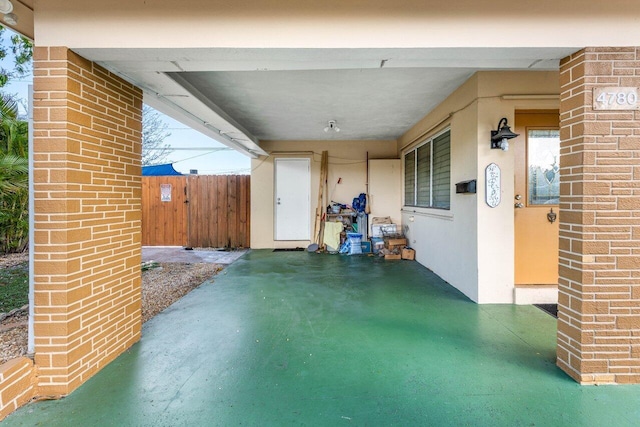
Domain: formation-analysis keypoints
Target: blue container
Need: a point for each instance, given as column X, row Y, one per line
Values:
column 355, row 240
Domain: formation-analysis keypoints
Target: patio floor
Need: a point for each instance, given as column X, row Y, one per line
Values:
column 180, row 254
column 325, row 340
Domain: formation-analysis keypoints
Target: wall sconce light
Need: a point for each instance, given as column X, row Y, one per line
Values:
column 500, row 138
column 332, row 126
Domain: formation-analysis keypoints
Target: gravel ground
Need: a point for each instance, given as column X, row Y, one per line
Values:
column 161, row 287
column 166, row 284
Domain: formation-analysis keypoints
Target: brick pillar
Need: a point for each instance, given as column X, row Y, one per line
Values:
column 87, row 145
column 599, row 299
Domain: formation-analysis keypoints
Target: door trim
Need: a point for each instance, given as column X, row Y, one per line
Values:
column 525, row 277
column 275, row 197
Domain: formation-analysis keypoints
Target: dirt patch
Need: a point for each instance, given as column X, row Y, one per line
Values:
column 161, row 287
column 10, row 260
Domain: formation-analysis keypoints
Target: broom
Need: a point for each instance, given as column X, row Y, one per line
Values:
column 367, row 208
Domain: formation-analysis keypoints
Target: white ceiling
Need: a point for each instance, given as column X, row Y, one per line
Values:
column 297, row 105
column 239, row 96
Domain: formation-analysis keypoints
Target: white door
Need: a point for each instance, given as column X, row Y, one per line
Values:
column 293, row 198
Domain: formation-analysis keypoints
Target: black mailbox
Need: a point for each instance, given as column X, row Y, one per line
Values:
column 466, row 186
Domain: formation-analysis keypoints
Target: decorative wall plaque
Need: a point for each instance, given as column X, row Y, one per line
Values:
column 492, row 178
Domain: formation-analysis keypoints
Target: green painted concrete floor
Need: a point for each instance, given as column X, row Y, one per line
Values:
column 326, row 340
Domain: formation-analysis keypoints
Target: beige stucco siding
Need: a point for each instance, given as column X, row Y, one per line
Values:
column 446, row 240
column 385, row 189
column 335, row 23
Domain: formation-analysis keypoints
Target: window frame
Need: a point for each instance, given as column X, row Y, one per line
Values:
column 414, row 149
column 529, row 129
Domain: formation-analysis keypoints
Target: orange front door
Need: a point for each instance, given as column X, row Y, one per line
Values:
column 537, row 192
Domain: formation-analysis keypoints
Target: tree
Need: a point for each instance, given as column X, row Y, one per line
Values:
column 14, row 169
column 14, row 176
column 13, row 131
column 22, row 50
column 14, row 203
column 154, row 132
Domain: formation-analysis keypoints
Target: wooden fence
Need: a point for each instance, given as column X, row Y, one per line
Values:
column 164, row 216
column 196, row 211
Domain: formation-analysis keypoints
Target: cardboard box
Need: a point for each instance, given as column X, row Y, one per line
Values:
column 395, row 242
column 376, row 244
column 392, row 256
column 381, row 220
column 378, row 230
column 408, row 253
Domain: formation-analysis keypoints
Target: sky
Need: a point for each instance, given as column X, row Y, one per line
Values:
column 210, row 160
column 207, row 159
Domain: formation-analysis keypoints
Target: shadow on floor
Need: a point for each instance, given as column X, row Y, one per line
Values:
column 551, row 309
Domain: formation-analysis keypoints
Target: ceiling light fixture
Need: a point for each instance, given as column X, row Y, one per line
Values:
column 332, row 126
column 6, row 6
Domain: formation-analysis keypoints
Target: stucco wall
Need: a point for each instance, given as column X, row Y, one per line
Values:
column 334, row 23
column 347, row 160
column 500, row 95
column 446, row 240
column 471, row 245
column 385, row 189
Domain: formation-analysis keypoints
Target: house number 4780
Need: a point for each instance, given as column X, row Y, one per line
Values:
column 615, row 98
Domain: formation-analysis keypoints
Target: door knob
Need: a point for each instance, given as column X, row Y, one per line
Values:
column 518, row 197
column 518, row 205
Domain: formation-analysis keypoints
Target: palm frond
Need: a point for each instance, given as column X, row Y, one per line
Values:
column 8, row 107
column 14, row 173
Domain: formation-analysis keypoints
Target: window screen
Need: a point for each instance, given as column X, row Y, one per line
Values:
column 441, row 171
column 410, row 178
column 424, row 175
column 427, row 173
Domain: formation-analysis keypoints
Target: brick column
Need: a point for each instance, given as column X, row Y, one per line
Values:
column 599, row 299
column 87, row 145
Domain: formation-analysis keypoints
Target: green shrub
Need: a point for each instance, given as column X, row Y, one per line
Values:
column 14, row 175
column 14, row 287
column 14, row 221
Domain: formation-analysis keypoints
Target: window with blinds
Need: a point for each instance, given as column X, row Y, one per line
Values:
column 441, row 179
column 410, row 178
column 423, row 172
column 427, row 173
